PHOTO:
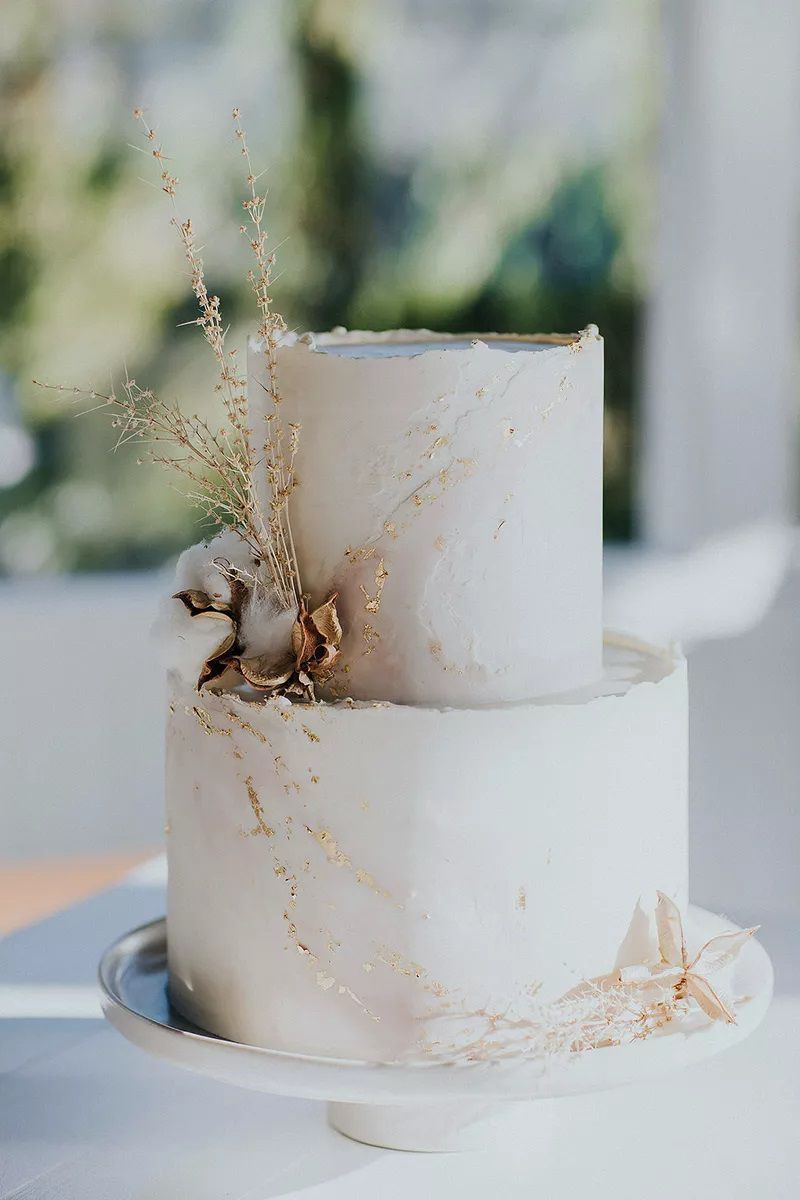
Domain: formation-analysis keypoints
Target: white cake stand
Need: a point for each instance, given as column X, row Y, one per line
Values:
column 424, row 1106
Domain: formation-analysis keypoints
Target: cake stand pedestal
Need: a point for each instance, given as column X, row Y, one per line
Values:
column 458, row 1125
column 426, row 1106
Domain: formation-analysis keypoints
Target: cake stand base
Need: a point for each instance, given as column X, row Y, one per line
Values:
column 433, row 1128
column 418, row 1106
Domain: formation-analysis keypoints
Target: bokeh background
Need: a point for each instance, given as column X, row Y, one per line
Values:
column 510, row 165
column 449, row 166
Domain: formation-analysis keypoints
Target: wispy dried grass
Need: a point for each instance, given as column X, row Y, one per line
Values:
column 219, row 466
column 594, row 1015
column 617, row 1009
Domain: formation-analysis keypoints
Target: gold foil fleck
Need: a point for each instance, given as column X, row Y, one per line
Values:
column 237, row 720
column 207, row 725
column 258, row 811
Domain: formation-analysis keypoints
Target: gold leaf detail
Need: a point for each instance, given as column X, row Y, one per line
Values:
column 257, row 808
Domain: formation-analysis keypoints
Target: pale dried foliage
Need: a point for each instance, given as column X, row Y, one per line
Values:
column 219, row 466
column 592, row 1016
column 626, row 1006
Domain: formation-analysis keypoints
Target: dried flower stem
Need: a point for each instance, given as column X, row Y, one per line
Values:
column 221, row 465
column 212, row 462
column 271, row 328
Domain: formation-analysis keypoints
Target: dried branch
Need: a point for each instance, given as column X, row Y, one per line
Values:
column 220, row 466
column 278, row 462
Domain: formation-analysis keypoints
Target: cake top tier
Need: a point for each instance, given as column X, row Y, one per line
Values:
column 450, row 492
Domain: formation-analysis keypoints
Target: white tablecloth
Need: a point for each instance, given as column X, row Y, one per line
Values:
column 85, row 1116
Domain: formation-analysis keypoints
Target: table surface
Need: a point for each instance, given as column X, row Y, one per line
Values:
column 83, row 1114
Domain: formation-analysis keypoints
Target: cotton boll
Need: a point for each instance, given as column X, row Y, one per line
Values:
column 265, row 628
column 186, row 642
column 230, row 547
column 190, row 571
column 200, row 567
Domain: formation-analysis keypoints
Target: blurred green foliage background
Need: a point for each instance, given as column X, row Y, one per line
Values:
column 483, row 166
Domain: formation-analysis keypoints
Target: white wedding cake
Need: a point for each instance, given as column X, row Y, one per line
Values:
column 457, row 800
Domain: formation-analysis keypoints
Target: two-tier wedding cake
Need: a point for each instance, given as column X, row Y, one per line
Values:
column 423, row 808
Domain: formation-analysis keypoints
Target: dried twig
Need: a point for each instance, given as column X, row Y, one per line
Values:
column 220, row 465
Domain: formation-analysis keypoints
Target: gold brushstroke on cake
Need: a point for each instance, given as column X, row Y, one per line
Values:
column 359, row 553
column 439, row 444
column 437, row 653
column 401, row 966
column 206, row 724
column 364, row 877
column 258, row 811
column 371, row 636
column 408, row 969
column 337, row 856
column 246, row 726
column 281, row 871
column 324, row 980
column 330, row 846
column 373, row 602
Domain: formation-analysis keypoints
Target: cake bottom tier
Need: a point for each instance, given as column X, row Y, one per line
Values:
column 382, row 882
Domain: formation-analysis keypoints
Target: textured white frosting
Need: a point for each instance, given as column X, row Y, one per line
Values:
column 353, row 879
column 471, row 472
